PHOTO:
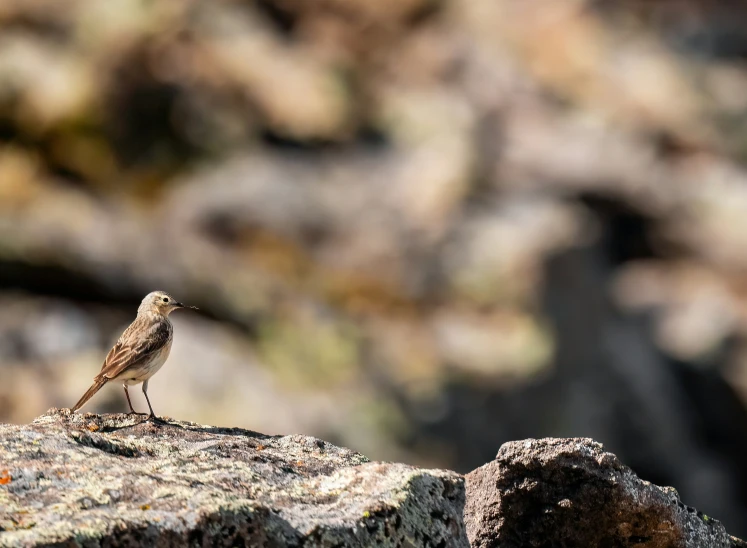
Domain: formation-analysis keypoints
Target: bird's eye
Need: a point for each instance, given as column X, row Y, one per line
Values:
column 165, row 299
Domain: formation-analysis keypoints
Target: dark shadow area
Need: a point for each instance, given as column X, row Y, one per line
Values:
column 107, row 423
column 221, row 431
column 61, row 282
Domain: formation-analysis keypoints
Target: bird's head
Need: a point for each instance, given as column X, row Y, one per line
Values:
column 160, row 302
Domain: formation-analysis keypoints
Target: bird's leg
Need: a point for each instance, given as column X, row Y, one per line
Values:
column 152, row 414
column 132, row 411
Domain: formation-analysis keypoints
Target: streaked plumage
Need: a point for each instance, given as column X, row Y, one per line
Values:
column 146, row 339
column 141, row 350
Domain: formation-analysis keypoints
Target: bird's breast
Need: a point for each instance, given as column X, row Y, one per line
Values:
column 147, row 369
column 156, row 362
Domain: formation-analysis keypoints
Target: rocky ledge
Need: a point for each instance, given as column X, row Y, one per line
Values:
column 117, row 480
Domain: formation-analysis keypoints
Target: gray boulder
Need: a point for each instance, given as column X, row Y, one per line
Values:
column 116, row 480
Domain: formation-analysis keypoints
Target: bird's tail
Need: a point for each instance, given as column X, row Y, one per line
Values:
column 98, row 382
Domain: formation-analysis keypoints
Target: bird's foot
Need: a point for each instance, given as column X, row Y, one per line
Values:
column 136, row 413
column 155, row 419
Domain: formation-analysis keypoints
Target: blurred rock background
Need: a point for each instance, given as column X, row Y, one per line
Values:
column 417, row 228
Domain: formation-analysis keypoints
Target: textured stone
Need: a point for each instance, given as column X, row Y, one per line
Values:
column 570, row 492
column 117, row 480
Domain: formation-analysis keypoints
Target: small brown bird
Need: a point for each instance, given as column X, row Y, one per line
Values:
column 141, row 350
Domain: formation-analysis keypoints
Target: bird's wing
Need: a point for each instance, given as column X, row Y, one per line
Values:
column 139, row 343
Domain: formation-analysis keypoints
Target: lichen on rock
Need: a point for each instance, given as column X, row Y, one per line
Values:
column 117, row 480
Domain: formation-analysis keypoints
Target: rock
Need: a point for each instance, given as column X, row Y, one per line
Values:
column 117, row 480
column 570, row 492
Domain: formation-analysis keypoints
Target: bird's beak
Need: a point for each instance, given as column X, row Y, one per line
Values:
column 182, row 305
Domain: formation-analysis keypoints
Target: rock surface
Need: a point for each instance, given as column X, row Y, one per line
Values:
column 116, row 480
column 570, row 492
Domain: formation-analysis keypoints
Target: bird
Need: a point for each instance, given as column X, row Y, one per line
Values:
column 141, row 350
